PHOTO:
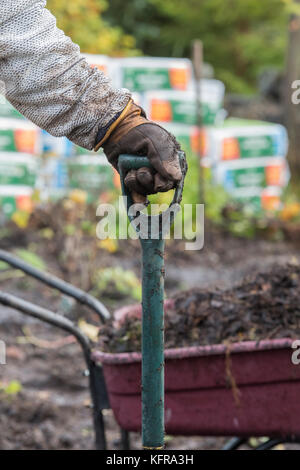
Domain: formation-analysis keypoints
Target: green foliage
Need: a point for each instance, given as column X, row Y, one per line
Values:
column 31, row 258
column 3, row 266
column 293, row 6
column 87, row 226
column 292, row 191
column 47, row 233
column 191, row 186
column 240, row 223
column 139, row 18
column 70, row 230
column 241, row 37
column 13, row 388
column 117, row 282
column 82, row 20
column 216, row 198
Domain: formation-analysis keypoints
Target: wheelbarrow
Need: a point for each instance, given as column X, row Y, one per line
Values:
column 246, row 390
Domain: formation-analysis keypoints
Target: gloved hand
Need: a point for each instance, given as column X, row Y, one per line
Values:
column 135, row 135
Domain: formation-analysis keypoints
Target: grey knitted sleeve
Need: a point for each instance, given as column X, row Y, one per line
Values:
column 46, row 78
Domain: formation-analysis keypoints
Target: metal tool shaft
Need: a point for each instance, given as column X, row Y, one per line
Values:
column 153, row 305
column 153, row 344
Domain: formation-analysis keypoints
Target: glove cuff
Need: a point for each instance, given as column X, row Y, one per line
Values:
column 112, row 127
column 131, row 116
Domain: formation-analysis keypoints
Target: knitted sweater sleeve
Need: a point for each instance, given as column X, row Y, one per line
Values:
column 44, row 76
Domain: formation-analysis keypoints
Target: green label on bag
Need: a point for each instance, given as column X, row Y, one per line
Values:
column 8, row 205
column 245, row 178
column 94, row 178
column 7, row 141
column 145, row 79
column 8, row 111
column 185, row 112
column 78, row 151
column 17, row 174
column 257, row 146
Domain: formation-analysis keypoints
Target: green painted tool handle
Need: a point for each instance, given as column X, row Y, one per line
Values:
column 153, row 316
column 153, row 344
column 133, row 162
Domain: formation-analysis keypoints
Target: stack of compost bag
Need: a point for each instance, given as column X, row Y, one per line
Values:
column 164, row 87
column 249, row 160
column 91, row 172
column 177, row 112
column 68, row 167
column 181, row 107
column 142, row 74
column 54, row 174
column 20, row 150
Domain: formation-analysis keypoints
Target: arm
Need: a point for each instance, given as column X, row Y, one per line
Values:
column 48, row 81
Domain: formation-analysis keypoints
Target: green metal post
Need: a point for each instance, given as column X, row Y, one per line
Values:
column 153, row 344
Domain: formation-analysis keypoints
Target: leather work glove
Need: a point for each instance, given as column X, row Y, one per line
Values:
column 133, row 134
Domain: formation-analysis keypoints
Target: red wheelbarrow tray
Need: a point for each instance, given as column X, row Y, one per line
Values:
column 244, row 389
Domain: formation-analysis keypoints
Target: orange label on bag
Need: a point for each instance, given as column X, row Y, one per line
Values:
column 273, row 175
column 270, row 202
column 199, row 142
column 102, row 68
column 179, row 78
column 25, row 140
column 231, row 149
column 24, row 203
column 161, row 111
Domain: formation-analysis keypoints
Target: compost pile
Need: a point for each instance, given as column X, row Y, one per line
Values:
column 261, row 307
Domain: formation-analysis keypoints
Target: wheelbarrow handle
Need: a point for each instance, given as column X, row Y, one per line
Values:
column 53, row 281
column 132, row 162
column 97, row 384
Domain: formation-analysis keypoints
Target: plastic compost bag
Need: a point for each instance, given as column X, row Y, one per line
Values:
column 181, row 107
column 20, row 136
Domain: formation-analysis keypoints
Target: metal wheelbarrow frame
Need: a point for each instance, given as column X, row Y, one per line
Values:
column 99, row 397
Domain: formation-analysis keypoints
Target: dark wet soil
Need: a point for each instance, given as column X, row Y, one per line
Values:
column 262, row 307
